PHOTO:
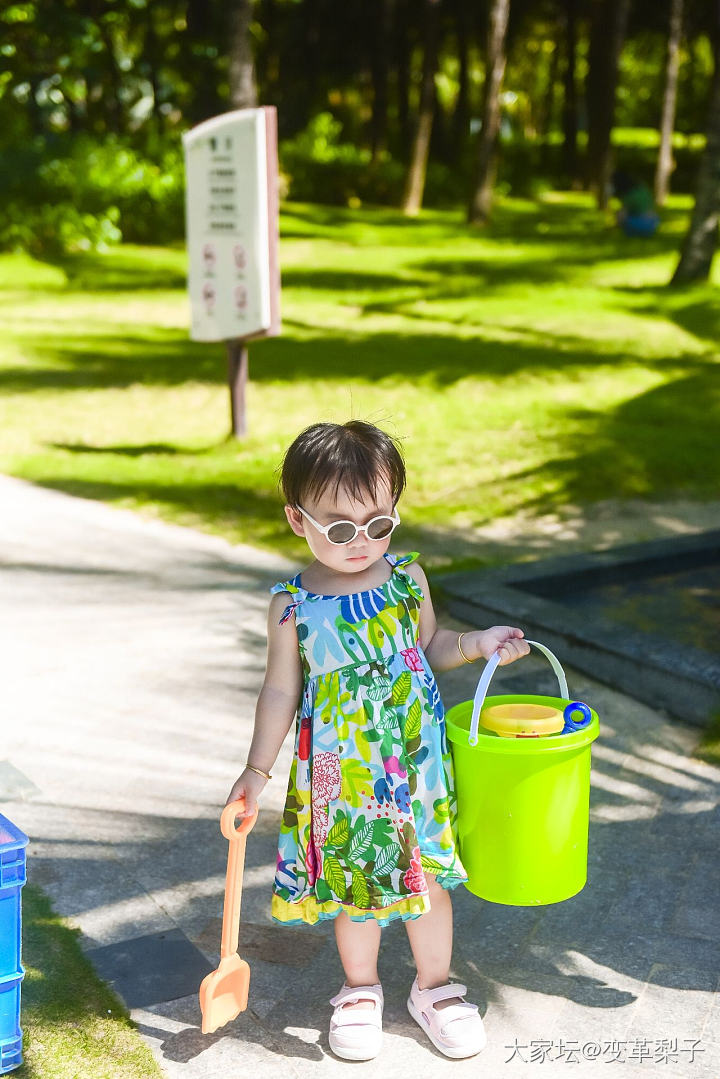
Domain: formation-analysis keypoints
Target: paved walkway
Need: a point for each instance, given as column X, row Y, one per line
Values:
column 132, row 652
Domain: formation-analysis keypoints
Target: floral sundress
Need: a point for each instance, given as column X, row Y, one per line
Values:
column 370, row 801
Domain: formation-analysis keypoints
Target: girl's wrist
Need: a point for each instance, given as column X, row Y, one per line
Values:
column 470, row 645
column 260, row 771
column 464, row 648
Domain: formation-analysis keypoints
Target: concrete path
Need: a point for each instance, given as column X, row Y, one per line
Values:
column 132, row 652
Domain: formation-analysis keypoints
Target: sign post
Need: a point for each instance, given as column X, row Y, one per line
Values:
column 231, row 214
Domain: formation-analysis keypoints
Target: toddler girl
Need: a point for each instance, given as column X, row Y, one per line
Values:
column 368, row 828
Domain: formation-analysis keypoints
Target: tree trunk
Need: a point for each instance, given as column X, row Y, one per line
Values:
column 415, row 179
column 241, row 72
column 268, row 80
column 312, row 57
column 402, row 52
column 152, row 53
column 665, row 162
column 607, row 33
column 486, row 155
column 570, row 108
column 114, row 116
column 701, row 240
column 461, row 112
column 383, row 18
column 547, row 111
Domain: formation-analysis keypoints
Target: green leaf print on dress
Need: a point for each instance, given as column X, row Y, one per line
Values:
column 401, row 688
column 370, row 801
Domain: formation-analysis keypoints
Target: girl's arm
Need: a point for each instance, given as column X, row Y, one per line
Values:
column 276, row 706
column 441, row 645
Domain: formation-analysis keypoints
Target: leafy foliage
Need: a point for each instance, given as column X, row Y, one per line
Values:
column 75, row 194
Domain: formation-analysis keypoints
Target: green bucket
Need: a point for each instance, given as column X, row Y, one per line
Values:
column 522, row 802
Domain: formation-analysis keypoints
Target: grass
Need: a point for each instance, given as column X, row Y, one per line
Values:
column 73, row 1024
column 536, row 365
column 708, row 748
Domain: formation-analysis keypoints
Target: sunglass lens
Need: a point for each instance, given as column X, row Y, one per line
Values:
column 380, row 527
column 341, row 532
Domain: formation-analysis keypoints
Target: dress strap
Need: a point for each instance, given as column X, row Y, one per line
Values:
column 398, row 562
column 401, row 559
column 293, row 588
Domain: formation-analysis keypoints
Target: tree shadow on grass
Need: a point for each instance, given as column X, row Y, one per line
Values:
column 123, row 359
column 695, row 309
column 165, row 449
column 123, row 270
column 649, row 446
column 347, row 280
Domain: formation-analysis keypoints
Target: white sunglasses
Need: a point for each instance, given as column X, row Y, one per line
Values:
column 342, row 532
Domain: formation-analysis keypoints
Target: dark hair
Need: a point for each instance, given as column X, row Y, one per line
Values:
column 356, row 454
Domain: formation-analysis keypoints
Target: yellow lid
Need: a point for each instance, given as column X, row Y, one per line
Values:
column 518, row 720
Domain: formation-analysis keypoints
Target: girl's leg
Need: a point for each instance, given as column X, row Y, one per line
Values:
column 358, row 944
column 431, row 937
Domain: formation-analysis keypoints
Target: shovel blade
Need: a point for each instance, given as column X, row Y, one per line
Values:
column 224, row 993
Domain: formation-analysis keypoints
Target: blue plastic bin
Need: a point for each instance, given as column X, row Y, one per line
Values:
column 12, row 877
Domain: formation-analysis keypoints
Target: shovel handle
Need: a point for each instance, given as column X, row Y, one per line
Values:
column 234, row 875
column 227, row 819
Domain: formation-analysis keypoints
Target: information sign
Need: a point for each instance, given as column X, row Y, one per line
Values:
column 231, row 211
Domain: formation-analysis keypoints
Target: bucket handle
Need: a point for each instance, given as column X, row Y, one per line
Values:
column 482, row 686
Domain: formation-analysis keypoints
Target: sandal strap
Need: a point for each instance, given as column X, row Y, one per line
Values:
column 456, row 1013
column 441, row 992
column 358, row 992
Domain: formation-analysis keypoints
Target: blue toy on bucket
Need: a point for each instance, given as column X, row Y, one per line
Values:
column 522, row 779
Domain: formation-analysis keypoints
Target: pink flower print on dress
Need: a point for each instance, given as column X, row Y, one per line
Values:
column 326, row 780
column 311, row 862
column 320, row 819
column 412, row 659
column 392, row 764
column 413, row 878
column 317, row 842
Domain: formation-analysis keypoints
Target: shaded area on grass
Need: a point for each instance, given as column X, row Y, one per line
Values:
column 73, row 1023
column 94, row 272
column 527, row 364
column 121, row 357
column 630, row 449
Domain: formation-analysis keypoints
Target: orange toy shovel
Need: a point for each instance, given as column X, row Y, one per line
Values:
column 224, row 993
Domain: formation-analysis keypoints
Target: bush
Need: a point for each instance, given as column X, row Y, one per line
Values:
column 148, row 195
column 58, row 228
column 66, row 195
column 317, row 167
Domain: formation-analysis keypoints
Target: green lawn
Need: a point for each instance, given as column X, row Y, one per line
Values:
column 535, row 365
column 74, row 1026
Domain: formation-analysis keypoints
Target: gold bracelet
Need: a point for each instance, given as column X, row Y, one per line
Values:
column 259, row 771
column 460, row 637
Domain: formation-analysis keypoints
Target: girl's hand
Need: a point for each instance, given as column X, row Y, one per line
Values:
column 507, row 640
column 248, row 786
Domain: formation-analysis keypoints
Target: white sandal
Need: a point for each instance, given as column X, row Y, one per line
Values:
column 356, row 1034
column 457, row 1031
